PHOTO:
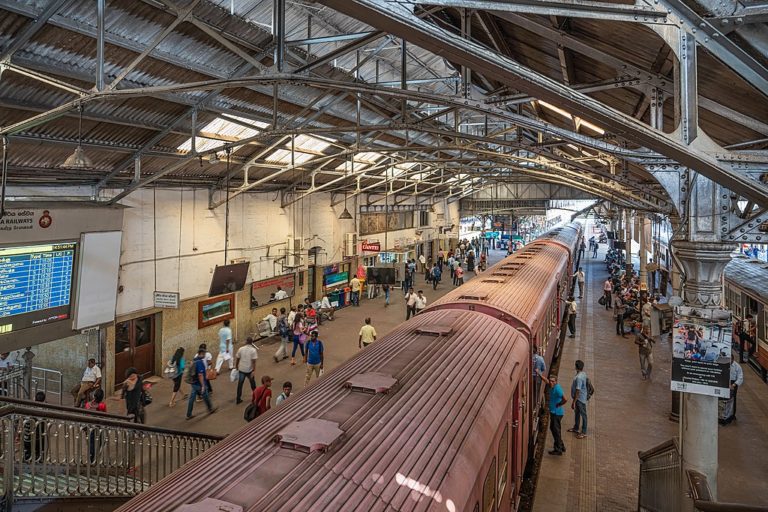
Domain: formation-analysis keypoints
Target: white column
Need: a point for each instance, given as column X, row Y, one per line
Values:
column 643, row 272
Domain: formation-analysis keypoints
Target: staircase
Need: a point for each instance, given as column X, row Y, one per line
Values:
column 56, row 458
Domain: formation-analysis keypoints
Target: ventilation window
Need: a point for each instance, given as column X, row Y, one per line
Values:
column 310, row 435
column 506, row 274
column 371, row 382
column 473, row 297
column 496, row 281
column 435, row 330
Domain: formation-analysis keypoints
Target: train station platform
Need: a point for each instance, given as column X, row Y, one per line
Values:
column 340, row 339
column 628, row 415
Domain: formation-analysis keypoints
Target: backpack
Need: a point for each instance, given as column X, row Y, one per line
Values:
column 282, row 326
column 590, row 389
column 191, row 375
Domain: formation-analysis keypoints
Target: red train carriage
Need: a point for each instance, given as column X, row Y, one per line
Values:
column 431, row 417
column 525, row 290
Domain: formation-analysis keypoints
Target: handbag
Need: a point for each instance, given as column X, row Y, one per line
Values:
column 171, row 371
column 146, row 398
column 601, row 300
column 211, row 374
column 233, row 375
column 303, row 338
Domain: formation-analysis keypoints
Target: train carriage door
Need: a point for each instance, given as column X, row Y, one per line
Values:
column 520, row 422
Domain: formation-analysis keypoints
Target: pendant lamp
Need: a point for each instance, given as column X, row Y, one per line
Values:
column 79, row 160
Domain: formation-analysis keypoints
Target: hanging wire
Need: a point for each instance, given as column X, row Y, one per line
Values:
column 154, row 229
column 4, row 177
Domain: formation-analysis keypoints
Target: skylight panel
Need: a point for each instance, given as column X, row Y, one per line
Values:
column 283, row 156
column 223, row 128
column 309, row 143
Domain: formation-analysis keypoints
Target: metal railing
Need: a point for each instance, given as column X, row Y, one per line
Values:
column 660, row 485
column 51, row 382
column 49, row 454
column 12, row 382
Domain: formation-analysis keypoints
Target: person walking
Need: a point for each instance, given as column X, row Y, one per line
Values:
column 298, row 329
column 607, row 291
column 736, row 380
column 618, row 313
column 594, row 249
column 570, row 310
column 556, row 402
column 226, row 347
column 580, row 278
column 315, row 357
column 582, row 248
column 133, row 394
column 385, row 289
column 284, row 331
column 245, row 362
column 354, row 286
column 436, row 275
column 91, row 380
column 197, row 380
column 410, row 303
column 282, row 397
column 459, row 272
column 97, row 404
column 645, row 350
column 420, row 303
column 262, row 395
column 367, row 334
column 579, row 395
column 178, row 362
column 455, row 273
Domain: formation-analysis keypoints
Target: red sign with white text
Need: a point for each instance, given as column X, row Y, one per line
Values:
column 371, row 246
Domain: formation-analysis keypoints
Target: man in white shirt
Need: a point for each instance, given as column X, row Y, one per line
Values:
column 280, row 294
column 272, row 320
column 410, row 303
column 607, row 291
column 325, row 309
column 580, row 277
column 90, row 381
column 736, row 380
column 367, row 334
column 354, row 285
column 246, row 364
column 225, row 347
column 421, row 302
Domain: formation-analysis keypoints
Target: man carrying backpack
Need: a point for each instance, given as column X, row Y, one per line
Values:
column 437, row 274
column 197, row 379
column 580, row 394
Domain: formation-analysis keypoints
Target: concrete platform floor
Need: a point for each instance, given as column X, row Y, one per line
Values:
column 628, row 415
column 340, row 339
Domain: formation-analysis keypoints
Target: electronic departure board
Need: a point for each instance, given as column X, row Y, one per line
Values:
column 35, row 285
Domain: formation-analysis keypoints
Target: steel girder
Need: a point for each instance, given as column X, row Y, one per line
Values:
column 399, row 21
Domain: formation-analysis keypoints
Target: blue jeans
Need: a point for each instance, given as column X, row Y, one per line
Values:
column 198, row 390
column 296, row 345
column 240, row 379
column 386, row 297
column 355, row 298
column 581, row 413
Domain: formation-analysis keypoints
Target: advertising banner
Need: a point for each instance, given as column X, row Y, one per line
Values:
column 701, row 351
column 335, row 279
column 263, row 292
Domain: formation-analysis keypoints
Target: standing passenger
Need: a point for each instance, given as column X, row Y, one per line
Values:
column 197, row 380
column 262, row 395
column 226, row 347
column 420, row 303
column 367, row 334
column 607, row 290
column 618, row 312
column 556, row 402
column 579, row 275
column 645, row 350
column 315, row 357
column 133, row 391
column 539, row 372
column 179, row 363
column 580, row 396
column 410, row 303
column 385, row 289
column 736, row 380
column 570, row 310
column 282, row 397
column 354, row 286
column 459, row 272
column 298, row 331
column 245, row 361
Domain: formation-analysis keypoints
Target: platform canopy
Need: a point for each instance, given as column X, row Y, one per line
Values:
column 405, row 98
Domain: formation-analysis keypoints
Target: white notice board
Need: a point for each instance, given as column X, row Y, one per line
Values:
column 99, row 263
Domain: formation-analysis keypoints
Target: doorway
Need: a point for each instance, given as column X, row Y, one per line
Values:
column 135, row 346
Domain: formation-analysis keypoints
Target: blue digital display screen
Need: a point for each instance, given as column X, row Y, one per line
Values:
column 35, row 285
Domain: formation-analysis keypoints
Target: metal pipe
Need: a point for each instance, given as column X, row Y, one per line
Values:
column 100, row 6
column 278, row 32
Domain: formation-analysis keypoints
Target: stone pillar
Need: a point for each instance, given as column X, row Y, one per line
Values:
column 628, row 238
column 643, row 271
column 703, row 264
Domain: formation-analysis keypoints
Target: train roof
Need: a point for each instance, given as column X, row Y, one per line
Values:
column 519, row 286
column 749, row 274
column 416, row 447
column 567, row 235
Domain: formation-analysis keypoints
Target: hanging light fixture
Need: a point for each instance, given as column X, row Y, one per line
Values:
column 345, row 215
column 213, row 159
column 79, row 160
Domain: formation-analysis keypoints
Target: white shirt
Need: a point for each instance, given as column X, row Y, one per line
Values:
column 580, row 276
column 737, row 374
column 272, row 319
column 91, row 374
column 355, row 284
column 225, row 339
column 421, row 302
column 325, row 303
column 247, row 355
column 5, row 363
column 291, row 318
column 411, row 299
column 281, row 294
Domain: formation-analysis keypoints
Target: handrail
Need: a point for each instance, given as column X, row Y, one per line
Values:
column 107, row 422
column 702, row 497
column 661, row 448
column 64, row 408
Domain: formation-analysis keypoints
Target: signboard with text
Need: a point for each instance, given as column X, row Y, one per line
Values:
column 371, row 246
column 168, row 300
column 701, row 351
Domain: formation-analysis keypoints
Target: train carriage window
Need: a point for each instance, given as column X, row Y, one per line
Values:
column 503, row 459
column 489, row 489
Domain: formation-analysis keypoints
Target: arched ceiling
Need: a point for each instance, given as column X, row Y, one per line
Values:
column 471, row 97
